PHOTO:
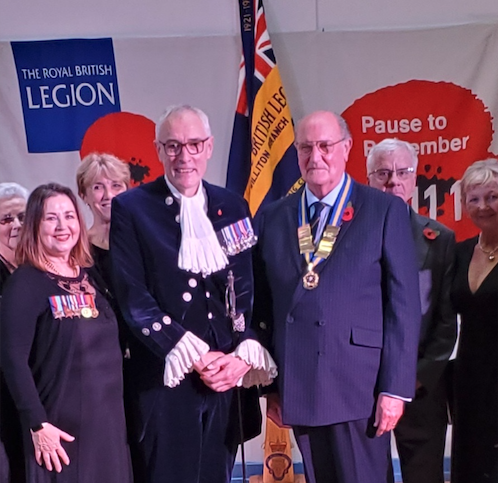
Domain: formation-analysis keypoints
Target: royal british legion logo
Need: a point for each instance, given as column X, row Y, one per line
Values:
column 65, row 86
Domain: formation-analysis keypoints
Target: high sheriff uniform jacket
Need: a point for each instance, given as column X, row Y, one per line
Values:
column 160, row 301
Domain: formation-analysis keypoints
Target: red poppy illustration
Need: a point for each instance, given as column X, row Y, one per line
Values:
column 431, row 234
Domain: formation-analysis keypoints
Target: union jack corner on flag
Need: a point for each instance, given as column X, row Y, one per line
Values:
column 262, row 164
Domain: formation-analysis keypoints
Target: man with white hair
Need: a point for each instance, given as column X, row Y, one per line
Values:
column 337, row 298
column 420, row 433
column 181, row 254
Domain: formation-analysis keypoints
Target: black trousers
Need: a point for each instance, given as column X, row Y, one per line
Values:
column 344, row 453
column 186, row 438
column 420, row 437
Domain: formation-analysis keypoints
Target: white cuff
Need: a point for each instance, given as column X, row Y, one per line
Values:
column 181, row 359
column 406, row 399
column 263, row 368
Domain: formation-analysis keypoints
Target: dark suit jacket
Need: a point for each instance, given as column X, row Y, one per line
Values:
column 438, row 330
column 158, row 300
column 356, row 334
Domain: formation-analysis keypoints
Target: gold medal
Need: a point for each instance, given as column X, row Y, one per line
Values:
column 305, row 239
column 326, row 244
column 328, row 238
column 86, row 312
column 310, row 279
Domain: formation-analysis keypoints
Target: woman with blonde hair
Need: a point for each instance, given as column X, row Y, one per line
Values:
column 100, row 177
column 475, row 297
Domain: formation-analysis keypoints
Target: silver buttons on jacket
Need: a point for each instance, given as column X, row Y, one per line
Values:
column 156, row 326
column 166, row 320
column 145, row 331
column 192, row 283
column 177, row 218
column 187, row 296
column 169, row 200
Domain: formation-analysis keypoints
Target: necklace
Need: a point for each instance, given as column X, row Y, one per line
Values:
column 53, row 269
column 489, row 253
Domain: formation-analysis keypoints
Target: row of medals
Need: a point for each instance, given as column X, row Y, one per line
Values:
column 307, row 247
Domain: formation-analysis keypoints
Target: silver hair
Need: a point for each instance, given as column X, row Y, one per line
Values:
column 390, row 145
column 343, row 125
column 13, row 190
column 178, row 109
column 479, row 173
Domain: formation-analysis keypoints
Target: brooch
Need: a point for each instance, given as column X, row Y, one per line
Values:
column 431, row 234
column 348, row 212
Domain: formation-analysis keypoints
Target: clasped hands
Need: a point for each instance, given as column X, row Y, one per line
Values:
column 220, row 371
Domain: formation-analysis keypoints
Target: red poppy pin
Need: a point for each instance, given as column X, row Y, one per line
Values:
column 431, row 234
column 347, row 214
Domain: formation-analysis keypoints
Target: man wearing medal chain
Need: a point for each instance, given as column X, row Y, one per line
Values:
column 341, row 316
column 181, row 255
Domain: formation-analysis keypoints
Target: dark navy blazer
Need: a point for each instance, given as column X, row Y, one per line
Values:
column 159, row 301
column 356, row 334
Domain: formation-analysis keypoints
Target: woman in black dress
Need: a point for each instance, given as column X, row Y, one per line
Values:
column 13, row 199
column 60, row 351
column 100, row 177
column 475, row 296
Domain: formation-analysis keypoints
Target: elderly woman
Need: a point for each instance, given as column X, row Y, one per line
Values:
column 475, row 296
column 60, row 350
column 13, row 199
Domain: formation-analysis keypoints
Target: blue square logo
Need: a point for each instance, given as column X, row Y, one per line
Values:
column 65, row 86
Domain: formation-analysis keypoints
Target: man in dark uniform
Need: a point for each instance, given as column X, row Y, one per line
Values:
column 181, row 257
column 421, row 432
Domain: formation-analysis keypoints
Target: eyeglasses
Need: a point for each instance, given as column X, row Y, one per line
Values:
column 9, row 219
column 385, row 174
column 174, row 148
column 325, row 147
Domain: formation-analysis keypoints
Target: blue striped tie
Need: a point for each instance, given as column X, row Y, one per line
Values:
column 315, row 219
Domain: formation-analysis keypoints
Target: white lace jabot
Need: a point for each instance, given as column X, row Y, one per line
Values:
column 200, row 250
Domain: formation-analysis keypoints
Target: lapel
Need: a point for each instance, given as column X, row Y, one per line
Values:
column 290, row 225
column 215, row 206
column 214, row 202
column 357, row 203
column 163, row 194
column 418, row 223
